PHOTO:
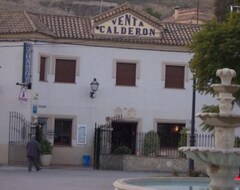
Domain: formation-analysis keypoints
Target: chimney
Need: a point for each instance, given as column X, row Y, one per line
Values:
column 176, row 12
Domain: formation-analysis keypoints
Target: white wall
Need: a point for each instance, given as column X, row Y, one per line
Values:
column 150, row 100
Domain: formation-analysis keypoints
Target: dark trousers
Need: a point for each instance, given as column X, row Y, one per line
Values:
column 32, row 161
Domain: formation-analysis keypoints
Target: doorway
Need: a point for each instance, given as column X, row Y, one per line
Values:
column 124, row 134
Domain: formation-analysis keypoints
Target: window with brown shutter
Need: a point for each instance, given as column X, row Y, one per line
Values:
column 65, row 71
column 42, row 73
column 126, row 74
column 174, row 76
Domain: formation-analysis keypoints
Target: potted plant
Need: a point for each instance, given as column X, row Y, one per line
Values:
column 45, row 152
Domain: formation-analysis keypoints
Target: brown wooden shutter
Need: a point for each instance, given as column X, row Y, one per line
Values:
column 126, row 74
column 65, row 71
column 174, row 77
column 42, row 69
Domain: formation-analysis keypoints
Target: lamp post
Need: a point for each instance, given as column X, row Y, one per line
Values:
column 192, row 134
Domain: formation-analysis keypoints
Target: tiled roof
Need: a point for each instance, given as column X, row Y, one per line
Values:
column 71, row 27
column 81, row 28
column 14, row 22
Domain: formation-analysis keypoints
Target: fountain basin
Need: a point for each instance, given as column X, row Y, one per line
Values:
column 165, row 183
column 214, row 156
column 220, row 119
column 225, row 88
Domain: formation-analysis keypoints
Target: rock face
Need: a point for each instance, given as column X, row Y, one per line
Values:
column 223, row 160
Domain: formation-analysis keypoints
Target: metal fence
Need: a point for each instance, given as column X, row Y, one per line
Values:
column 204, row 140
column 149, row 145
column 144, row 144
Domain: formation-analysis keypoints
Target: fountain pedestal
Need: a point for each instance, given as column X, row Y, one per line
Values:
column 221, row 177
column 223, row 160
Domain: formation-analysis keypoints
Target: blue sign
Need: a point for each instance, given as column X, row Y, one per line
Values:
column 27, row 63
column 34, row 109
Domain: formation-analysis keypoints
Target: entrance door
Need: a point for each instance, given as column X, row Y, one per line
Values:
column 124, row 134
column 169, row 134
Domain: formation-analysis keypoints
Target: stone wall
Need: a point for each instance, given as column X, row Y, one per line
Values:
column 143, row 163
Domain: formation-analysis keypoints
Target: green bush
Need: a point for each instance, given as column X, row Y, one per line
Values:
column 183, row 141
column 237, row 142
column 122, row 150
column 151, row 143
column 45, row 147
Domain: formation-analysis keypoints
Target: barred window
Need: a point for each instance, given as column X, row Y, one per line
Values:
column 62, row 132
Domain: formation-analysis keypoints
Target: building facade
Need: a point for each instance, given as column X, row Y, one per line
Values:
column 141, row 65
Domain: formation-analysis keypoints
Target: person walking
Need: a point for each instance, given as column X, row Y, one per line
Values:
column 33, row 153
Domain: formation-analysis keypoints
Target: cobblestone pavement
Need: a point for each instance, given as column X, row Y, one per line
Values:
column 18, row 178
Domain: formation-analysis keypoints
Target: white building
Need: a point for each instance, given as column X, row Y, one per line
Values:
column 140, row 63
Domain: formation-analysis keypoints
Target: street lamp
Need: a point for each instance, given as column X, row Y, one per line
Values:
column 94, row 86
column 192, row 134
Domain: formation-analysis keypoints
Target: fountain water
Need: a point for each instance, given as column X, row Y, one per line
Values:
column 223, row 160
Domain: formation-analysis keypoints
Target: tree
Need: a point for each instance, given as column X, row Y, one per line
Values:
column 222, row 8
column 216, row 46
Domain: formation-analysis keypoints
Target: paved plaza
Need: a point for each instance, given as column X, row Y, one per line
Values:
column 12, row 178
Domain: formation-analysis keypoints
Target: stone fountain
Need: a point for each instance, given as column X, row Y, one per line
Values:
column 223, row 160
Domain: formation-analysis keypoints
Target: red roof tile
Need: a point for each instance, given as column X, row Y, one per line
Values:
column 80, row 28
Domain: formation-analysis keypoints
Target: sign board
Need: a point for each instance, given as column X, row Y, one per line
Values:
column 23, row 95
column 127, row 25
column 34, row 109
column 27, row 63
column 81, row 134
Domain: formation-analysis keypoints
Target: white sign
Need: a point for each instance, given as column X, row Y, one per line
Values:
column 23, row 95
column 81, row 134
column 127, row 25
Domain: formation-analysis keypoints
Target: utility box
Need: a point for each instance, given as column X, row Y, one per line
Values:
column 86, row 160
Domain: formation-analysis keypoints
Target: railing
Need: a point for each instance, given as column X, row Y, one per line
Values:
column 153, row 148
column 203, row 139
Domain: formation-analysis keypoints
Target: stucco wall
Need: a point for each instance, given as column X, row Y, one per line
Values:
column 70, row 155
column 141, row 163
column 3, row 154
column 146, row 103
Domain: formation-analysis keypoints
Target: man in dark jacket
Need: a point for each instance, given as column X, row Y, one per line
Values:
column 33, row 152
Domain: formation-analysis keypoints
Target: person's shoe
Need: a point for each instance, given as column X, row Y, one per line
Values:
column 38, row 169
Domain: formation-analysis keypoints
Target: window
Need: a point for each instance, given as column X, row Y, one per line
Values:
column 169, row 134
column 63, row 132
column 126, row 74
column 65, row 71
column 174, row 76
column 43, row 69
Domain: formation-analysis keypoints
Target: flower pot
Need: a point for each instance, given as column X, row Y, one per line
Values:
column 46, row 159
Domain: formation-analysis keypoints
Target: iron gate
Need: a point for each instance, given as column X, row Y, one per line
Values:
column 113, row 135
column 102, row 139
column 20, row 131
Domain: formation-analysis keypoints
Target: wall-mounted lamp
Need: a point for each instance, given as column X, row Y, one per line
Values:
column 28, row 85
column 94, row 86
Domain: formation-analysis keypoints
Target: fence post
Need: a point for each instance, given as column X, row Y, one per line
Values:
column 96, row 147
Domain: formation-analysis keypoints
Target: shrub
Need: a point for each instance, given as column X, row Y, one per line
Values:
column 151, row 143
column 237, row 142
column 45, row 147
column 183, row 141
column 122, row 150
